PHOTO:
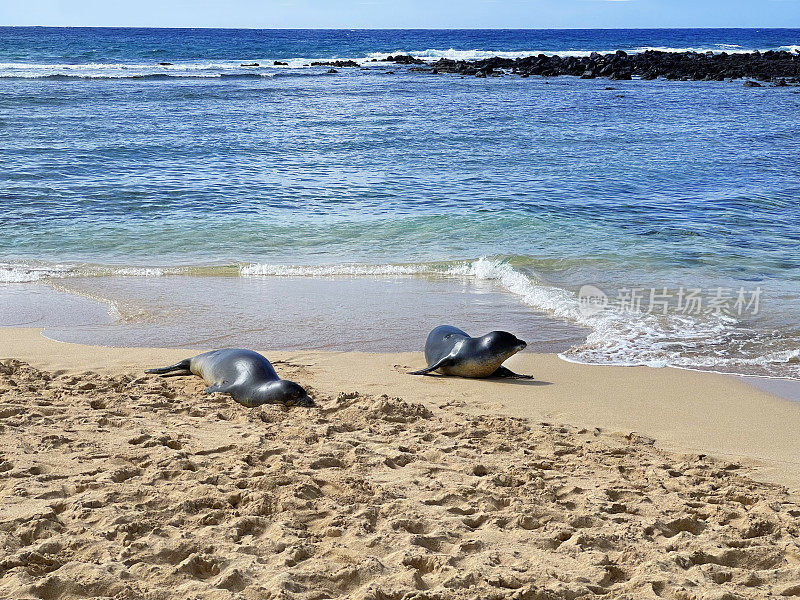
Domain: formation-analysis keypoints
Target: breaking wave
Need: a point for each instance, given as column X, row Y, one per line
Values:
column 713, row 342
column 27, row 273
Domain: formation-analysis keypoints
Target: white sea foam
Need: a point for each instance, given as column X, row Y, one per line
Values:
column 21, row 273
column 262, row 270
column 198, row 69
column 27, row 273
column 138, row 271
column 11, row 275
column 716, row 49
column 433, row 54
column 203, row 69
column 633, row 338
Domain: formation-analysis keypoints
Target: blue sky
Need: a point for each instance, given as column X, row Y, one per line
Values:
column 403, row 13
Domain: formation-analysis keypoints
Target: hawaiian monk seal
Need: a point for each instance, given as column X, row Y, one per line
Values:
column 452, row 352
column 244, row 374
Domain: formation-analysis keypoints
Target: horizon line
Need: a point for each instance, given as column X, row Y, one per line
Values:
column 394, row 28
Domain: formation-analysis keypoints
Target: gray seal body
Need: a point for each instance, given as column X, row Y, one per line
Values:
column 244, row 374
column 453, row 352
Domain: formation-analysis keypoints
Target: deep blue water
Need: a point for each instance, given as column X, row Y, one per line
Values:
column 130, row 45
column 112, row 161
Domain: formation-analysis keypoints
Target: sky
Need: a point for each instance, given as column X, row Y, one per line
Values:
column 402, row 14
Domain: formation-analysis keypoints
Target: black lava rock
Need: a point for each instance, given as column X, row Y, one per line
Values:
column 335, row 63
column 652, row 64
column 404, row 59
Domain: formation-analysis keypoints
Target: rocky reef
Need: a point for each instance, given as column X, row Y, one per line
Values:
column 779, row 67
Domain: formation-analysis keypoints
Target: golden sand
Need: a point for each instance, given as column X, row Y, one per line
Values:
column 116, row 484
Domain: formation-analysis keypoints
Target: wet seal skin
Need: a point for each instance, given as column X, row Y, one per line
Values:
column 244, row 374
column 451, row 351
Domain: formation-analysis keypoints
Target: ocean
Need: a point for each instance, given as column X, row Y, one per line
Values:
column 202, row 202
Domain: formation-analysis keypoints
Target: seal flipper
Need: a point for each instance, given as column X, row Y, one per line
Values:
column 222, row 387
column 508, row 373
column 179, row 373
column 433, row 367
column 180, row 368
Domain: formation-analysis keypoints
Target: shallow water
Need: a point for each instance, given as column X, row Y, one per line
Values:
column 293, row 313
column 560, row 183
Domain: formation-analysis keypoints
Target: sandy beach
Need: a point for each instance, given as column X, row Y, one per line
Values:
column 622, row 482
column 601, row 193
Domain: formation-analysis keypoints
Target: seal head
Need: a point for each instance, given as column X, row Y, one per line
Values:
column 502, row 342
column 275, row 392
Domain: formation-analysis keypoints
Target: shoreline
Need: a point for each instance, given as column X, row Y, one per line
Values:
column 683, row 411
column 343, row 308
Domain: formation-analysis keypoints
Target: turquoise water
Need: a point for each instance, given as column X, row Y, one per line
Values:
column 113, row 164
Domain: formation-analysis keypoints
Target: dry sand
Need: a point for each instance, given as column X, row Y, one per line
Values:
column 118, row 485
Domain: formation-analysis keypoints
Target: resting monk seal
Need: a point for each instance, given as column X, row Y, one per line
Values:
column 244, row 374
column 452, row 352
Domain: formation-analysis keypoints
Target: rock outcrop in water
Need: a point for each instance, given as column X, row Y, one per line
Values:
column 405, row 59
column 401, row 59
column 335, row 63
column 775, row 66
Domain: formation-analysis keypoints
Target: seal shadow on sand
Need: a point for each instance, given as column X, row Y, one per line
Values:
column 503, row 380
column 527, row 382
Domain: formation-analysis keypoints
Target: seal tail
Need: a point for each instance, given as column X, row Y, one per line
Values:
column 182, row 366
